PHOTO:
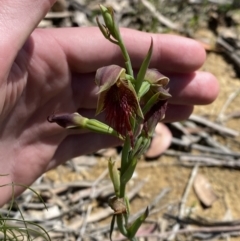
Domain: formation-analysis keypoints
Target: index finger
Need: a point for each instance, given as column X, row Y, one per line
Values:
column 87, row 50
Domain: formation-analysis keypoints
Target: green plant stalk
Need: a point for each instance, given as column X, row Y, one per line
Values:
column 122, row 190
column 125, row 154
column 130, row 151
column 126, row 216
column 121, row 226
column 121, row 219
column 126, row 56
column 127, row 168
column 124, row 164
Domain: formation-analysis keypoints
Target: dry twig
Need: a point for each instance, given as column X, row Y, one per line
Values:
column 162, row 19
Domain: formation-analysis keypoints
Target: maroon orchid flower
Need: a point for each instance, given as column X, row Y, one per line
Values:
column 156, row 100
column 118, row 99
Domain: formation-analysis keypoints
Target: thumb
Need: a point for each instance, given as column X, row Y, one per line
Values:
column 17, row 21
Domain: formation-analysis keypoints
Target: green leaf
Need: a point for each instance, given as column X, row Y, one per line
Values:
column 141, row 146
column 121, row 226
column 143, row 68
column 126, row 176
column 127, row 205
column 152, row 101
column 137, row 146
column 145, row 145
column 144, row 89
column 132, row 230
column 161, row 95
column 114, row 175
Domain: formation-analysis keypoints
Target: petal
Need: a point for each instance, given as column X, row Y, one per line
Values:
column 163, row 94
column 134, row 97
column 154, row 115
column 120, row 106
column 108, row 76
column 105, row 78
column 153, row 76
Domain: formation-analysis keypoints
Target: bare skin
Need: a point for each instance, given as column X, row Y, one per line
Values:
column 48, row 70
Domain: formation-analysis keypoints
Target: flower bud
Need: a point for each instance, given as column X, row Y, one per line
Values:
column 76, row 121
column 108, row 16
column 65, row 120
column 155, row 100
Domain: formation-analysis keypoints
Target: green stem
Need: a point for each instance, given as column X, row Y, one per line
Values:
column 126, row 56
column 124, row 163
column 121, row 226
column 122, row 190
column 125, row 154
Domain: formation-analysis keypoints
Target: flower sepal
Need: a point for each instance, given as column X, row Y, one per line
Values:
column 153, row 76
column 162, row 94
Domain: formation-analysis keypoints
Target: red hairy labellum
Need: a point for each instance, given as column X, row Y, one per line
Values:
column 120, row 105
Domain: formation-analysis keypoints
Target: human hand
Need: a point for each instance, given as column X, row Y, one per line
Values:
column 47, row 70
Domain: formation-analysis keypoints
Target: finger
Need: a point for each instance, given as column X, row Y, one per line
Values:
column 17, row 20
column 177, row 113
column 77, row 145
column 87, row 50
column 198, row 88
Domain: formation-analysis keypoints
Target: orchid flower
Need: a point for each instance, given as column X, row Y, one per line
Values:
column 155, row 100
column 118, row 99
